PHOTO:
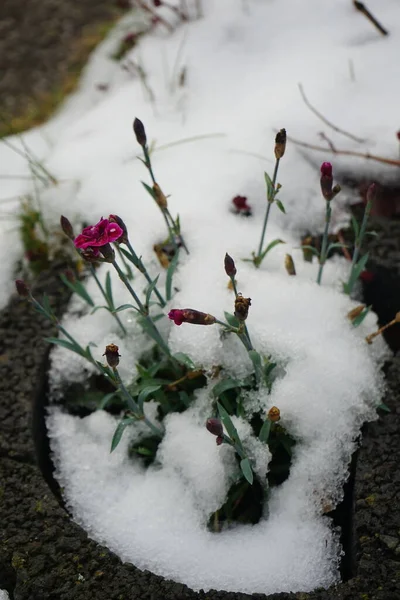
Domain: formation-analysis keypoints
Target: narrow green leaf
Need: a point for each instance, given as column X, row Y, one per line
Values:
column 356, row 227
column 358, row 320
column 280, row 206
column 270, row 246
column 313, row 250
column 225, row 385
column 265, row 431
column 78, row 289
column 170, row 272
column 231, row 319
column 150, row 289
column 384, row 407
column 229, row 426
column 256, row 360
column 145, row 393
column 46, row 304
column 184, row 359
column 356, row 272
column 66, row 344
column 119, row 431
column 149, row 190
column 336, row 245
column 106, row 399
column 124, row 307
column 96, row 308
column 109, row 289
column 270, row 186
column 129, row 256
column 372, row 233
column 247, row 470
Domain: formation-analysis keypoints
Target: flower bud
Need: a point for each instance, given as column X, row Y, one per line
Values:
column 280, row 144
column 108, row 253
column 326, row 180
column 372, row 193
column 67, row 227
column 289, row 265
column 307, row 253
column 91, row 255
column 116, row 219
column 70, row 275
column 219, row 440
column 240, row 205
column 140, row 132
column 274, row 414
column 230, row 268
column 398, row 135
column 242, row 307
column 355, row 312
column 112, row 355
column 214, row 426
column 22, row 288
column 157, row 3
column 159, row 196
column 189, row 315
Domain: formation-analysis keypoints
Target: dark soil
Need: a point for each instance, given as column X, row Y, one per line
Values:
column 44, row 555
column 43, row 46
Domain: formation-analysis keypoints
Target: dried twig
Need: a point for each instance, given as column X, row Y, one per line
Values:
column 157, row 18
column 381, row 159
column 325, row 120
column 364, row 10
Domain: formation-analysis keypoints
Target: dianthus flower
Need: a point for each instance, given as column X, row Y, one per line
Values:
column 96, row 236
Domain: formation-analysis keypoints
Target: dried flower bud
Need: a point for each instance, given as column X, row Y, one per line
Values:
column 67, row 227
column 214, row 426
column 397, row 317
column 355, row 312
column 289, row 265
column 189, row 315
column 242, row 307
column 219, row 440
column 22, row 288
column 274, row 414
column 108, row 253
column 230, row 268
column 70, row 275
column 159, row 196
column 112, row 355
column 307, row 253
column 91, row 255
column 116, row 219
column 140, row 132
column 372, row 192
column 280, row 144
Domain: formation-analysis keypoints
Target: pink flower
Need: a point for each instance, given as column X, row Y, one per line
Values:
column 98, row 235
column 176, row 315
column 326, row 169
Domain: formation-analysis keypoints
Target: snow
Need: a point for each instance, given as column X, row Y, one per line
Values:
column 244, row 61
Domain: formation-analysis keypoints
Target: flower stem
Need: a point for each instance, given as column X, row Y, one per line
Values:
column 245, row 326
column 140, row 266
column 134, row 407
column 323, row 253
column 271, row 197
column 116, row 317
column 357, row 246
column 152, row 329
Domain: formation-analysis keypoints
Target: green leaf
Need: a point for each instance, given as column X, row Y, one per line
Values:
column 66, row 344
column 124, row 307
column 77, row 288
column 335, row 245
column 269, row 247
column 383, row 407
column 129, row 256
column 356, row 227
column 106, row 399
column 109, row 289
column 119, row 432
column 170, row 272
column 270, row 187
column 150, row 290
column 46, row 305
column 356, row 271
column 224, row 386
column 184, row 359
column 96, row 308
column 145, row 393
column 149, row 189
column 257, row 362
column 372, row 233
column 247, row 470
column 360, row 318
column 229, row 426
column 265, row 431
column 313, row 250
column 280, row 206
column 231, row 319
column 143, row 451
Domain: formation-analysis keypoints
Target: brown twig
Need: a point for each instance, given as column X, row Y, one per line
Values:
column 364, row 10
column 325, row 120
column 367, row 155
column 141, row 4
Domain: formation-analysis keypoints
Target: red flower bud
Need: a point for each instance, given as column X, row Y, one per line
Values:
column 241, row 206
column 140, row 132
column 280, row 144
column 214, row 426
column 327, row 190
column 372, row 192
column 116, row 219
column 67, row 227
column 230, row 268
column 219, row 440
column 326, row 169
column 22, row 288
column 189, row 315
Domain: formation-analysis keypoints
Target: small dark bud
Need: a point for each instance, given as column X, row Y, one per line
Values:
column 372, row 192
column 140, row 133
column 159, row 196
column 398, row 135
column 157, row 3
column 22, row 288
column 70, row 275
column 67, row 227
column 326, row 180
column 230, row 268
column 307, row 253
column 240, row 206
column 289, row 265
column 108, row 253
column 189, row 315
column 242, row 307
column 116, row 219
column 280, row 144
column 219, row 440
column 214, row 426
column 112, row 355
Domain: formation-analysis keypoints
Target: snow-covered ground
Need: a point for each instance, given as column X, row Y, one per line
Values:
column 243, row 63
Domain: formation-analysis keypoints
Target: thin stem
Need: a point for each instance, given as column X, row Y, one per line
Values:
column 128, row 269
column 245, row 326
column 143, row 311
column 143, row 270
column 116, row 317
column 135, row 407
column 322, row 256
column 357, row 245
column 270, row 202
